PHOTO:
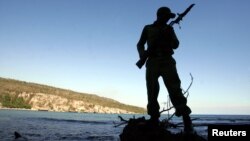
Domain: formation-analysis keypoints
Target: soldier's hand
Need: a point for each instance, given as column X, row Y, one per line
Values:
column 170, row 29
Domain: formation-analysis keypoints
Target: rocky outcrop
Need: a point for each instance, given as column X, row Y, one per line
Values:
column 141, row 129
column 49, row 102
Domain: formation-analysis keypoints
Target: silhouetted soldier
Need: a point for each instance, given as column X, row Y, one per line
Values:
column 161, row 40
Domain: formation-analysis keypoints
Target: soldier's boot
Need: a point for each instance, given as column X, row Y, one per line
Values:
column 188, row 126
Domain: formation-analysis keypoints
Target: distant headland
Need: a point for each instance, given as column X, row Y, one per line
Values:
column 25, row 95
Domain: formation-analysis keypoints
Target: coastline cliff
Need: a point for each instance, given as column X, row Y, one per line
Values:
column 25, row 95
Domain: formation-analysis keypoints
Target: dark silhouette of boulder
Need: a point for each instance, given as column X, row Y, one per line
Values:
column 143, row 130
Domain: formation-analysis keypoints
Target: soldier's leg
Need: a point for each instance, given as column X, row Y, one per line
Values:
column 173, row 84
column 152, row 91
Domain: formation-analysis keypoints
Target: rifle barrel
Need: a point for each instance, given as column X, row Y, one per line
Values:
column 180, row 16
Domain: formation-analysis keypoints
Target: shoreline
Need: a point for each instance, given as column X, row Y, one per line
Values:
column 37, row 110
column 20, row 109
column 41, row 110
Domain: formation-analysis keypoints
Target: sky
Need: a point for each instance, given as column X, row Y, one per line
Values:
column 89, row 46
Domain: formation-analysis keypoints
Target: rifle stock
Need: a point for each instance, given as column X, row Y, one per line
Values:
column 143, row 60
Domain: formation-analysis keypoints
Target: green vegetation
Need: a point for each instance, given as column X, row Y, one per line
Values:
column 10, row 101
column 14, row 87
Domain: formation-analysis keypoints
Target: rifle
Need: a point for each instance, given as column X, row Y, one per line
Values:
column 143, row 60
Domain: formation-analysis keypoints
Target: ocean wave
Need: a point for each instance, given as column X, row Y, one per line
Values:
column 101, row 138
column 69, row 120
column 223, row 119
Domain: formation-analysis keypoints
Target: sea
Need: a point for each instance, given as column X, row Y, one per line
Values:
column 68, row 126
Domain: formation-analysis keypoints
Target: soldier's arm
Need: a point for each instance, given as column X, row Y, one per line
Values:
column 174, row 40
column 142, row 42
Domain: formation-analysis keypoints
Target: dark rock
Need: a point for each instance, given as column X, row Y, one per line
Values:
column 142, row 130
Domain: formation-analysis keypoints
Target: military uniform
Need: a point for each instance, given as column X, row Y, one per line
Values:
column 161, row 40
